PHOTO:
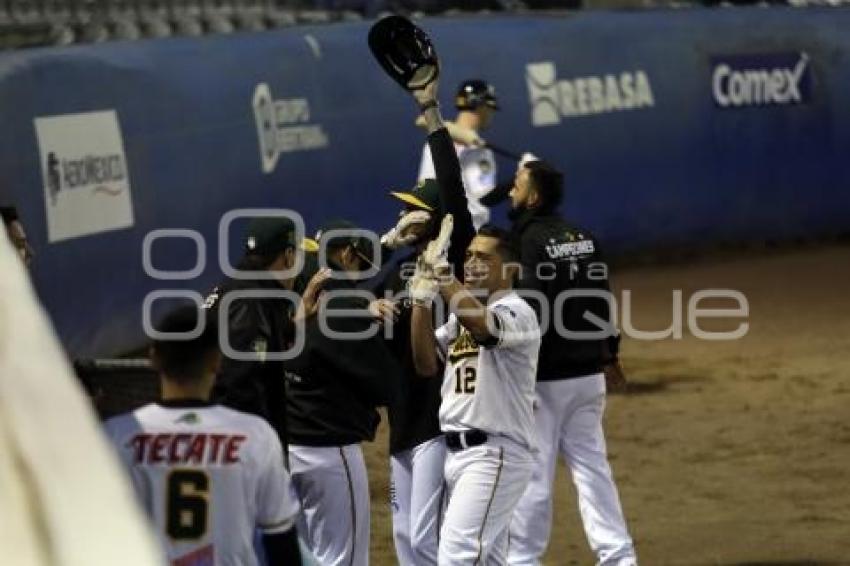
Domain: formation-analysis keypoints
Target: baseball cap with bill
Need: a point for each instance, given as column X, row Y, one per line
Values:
column 361, row 244
column 424, row 196
column 269, row 235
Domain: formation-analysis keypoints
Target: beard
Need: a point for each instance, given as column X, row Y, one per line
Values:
column 516, row 212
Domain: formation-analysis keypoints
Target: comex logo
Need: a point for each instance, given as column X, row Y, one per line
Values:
column 283, row 126
column 552, row 99
column 103, row 174
column 761, row 80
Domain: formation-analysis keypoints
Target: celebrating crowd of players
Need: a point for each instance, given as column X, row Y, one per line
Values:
column 482, row 389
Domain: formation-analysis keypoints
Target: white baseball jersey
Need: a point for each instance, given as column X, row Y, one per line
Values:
column 478, row 170
column 492, row 388
column 208, row 475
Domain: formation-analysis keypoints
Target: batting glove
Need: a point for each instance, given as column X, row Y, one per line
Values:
column 394, row 240
column 423, row 286
column 435, row 257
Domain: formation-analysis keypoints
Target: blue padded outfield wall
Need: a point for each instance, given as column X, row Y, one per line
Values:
column 674, row 128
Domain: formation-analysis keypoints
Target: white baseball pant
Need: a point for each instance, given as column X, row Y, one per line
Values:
column 417, row 496
column 333, row 490
column 569, row 418
column 485, row 483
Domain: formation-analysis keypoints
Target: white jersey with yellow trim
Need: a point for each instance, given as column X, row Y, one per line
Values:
column 491, row 388
column 208, row 476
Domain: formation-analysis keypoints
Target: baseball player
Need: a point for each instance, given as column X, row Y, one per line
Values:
column 417, row 448
column 476, row 102
column 262, row 325
column 557, row 258
column 333, row 389
column 208, row 475
column 490, row 344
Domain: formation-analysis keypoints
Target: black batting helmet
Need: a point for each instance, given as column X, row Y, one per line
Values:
column 404, row 51
column 474, row 93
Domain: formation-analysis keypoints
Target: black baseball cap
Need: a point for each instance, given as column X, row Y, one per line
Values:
column 269, row 235
column 425, row 195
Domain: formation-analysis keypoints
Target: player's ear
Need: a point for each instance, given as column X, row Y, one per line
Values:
column 349, row 256
column 511, row 270
column 533, row 196
column 290, row 256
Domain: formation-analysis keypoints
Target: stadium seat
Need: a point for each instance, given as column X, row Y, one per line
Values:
column 126, row 29
column 58, row 12
column 23, row 12
column 279, row 16
column 250, row 15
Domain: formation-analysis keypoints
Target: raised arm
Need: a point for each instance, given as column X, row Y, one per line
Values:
column 448, row 172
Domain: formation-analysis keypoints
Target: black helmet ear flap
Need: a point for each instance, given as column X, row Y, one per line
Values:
column 404, row 51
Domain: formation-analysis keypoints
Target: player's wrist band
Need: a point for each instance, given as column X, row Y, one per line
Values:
column 428, row 104
column 418, row 302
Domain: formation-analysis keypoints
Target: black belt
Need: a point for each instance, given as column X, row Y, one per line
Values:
column 467, row 439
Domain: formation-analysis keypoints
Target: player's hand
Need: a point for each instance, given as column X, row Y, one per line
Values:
column 309, row 304
column 615, row 379
column 434, row 259
column 400, row 235
column 383, row 311
column 424, row 285
column 427, row 93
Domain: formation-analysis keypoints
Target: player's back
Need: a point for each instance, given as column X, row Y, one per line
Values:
column 207, row 475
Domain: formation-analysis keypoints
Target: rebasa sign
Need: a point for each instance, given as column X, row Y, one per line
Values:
column 552, row 99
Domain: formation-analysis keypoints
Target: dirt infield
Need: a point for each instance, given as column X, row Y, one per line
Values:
column 733, row 453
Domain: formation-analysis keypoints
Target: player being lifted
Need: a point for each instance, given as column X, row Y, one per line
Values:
column 490, row 344
column 207, row 475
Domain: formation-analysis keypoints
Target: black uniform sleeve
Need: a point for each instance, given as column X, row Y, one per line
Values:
column 236, row 384
column 282, row 549
column 500, row 192
column 452, row 196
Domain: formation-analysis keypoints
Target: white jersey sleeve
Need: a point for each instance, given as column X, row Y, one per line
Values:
column 277, row 508
column 445, row 335
column 516, row 322
column 426, row 166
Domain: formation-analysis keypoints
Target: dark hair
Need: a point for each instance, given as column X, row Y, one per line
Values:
column 253, row 261
column 549, row 184
column 506, row 247
column 183, row 360
column 9, row 214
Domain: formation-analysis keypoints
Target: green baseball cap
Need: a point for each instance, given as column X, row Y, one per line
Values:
column 269, row 235
column 425, row 195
